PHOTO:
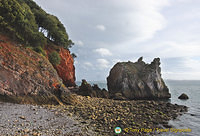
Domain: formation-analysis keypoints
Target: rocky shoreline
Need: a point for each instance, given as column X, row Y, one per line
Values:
column 88, row 116
column 104, row 115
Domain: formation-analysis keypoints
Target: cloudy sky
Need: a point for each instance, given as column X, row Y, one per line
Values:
column 108, row 31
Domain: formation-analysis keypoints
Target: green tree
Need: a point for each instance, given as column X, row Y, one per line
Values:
column 18, row 20
column 26, row 21
column 50, row 24
column 54, row 58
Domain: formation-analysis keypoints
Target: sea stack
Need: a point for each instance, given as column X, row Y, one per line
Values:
column 137, row 80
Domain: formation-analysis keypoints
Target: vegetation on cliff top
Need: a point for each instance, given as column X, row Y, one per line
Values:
column 25, row 21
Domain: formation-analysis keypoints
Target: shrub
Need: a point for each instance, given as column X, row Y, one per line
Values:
column 39, row 49
column 74, row 55
column 54, row 58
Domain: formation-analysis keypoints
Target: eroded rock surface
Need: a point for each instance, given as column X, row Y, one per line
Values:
column 137, row 81
column 65, row 69
column 27, row 73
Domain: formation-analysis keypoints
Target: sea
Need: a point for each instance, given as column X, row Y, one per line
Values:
column 189, row 120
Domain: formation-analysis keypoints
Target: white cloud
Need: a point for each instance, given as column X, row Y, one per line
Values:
column 151, row 28
column 102, row 63
column 88, row 64
column 103, row 52
column 175, row 49
column 139, row 20
column 184, row 68
column 80, row 43
column 101, row 27
column 192, row 64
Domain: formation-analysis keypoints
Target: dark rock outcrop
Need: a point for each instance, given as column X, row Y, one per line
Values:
column 137, row 81
column 183, row 96
column 93, row 91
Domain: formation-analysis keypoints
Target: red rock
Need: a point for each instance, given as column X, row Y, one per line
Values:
column 65, row 69
column 28, row 77
column 23, row 71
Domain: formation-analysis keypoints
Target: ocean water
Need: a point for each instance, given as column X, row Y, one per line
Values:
column 189, row 120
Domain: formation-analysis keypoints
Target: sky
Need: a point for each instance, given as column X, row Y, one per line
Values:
column 109, row 31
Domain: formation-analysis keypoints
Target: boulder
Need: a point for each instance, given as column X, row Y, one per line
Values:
column 93, row 91
column 183, row 96
column 137, row 81
column 86, row 89
column 105, row 93
column 118, row 96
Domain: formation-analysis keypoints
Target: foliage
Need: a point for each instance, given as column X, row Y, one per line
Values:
column 54, row 58
column 74, row 55
column 50, row 25
column 26, row 21
column 39, row 49
column 18, row 20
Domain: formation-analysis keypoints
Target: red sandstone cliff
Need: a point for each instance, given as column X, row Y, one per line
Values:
column 65, row 69
column 28, row 77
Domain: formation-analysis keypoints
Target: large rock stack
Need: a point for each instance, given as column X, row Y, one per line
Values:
column 128, row 80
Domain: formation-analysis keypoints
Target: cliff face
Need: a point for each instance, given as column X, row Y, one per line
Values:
column 24, row 72
column 128, row 80
column 65, row 69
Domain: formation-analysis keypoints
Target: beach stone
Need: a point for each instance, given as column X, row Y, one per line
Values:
column 118, row 96
column 137, row 80
column 26, row 130
column 183, row 96
column 22, row 117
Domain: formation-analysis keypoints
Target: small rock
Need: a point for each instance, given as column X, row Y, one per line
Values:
column 183, row 96
column 22, row 117
column 56, row 113
column 167, row 126
column 118, row 96
column 35, row 134
column 26, row 130
column 69, row 114
column 192, row 114
column 83, row 122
